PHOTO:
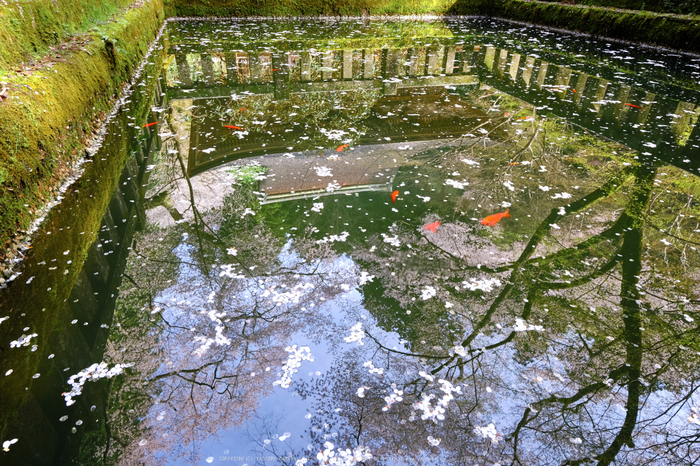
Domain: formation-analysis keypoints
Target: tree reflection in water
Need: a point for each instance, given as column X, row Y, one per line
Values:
column 567, row 334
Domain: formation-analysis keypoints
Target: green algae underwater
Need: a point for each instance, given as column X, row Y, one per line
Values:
column 246, row 290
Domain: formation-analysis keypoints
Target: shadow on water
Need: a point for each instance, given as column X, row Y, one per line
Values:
column 317, row 189
column 59, row 310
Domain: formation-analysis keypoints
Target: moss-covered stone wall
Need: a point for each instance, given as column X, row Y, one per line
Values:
column 51, row 103
column 667, row 30
column 29, row 28
column 306, row 7
column 660, row 6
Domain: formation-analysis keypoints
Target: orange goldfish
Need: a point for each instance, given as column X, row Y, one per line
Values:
column 492, row 220
column 233, row 127
column 634, row 106
column 394, row 195
column 150, row 124
column 340, row 148
column 513, row 163
column 433, row 226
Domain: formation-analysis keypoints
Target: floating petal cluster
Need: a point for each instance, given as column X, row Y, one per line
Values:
column 522, row 326
column 356, row 334
column 428, row 292
column 92, row 373
column 296, row 356
column 393, row 240
column 437, row 412
column 24, row 340
column 345, row 457
column 393, row 398
column 485, row 285
column 372, row 369
column 489, row 432
column 333, row 238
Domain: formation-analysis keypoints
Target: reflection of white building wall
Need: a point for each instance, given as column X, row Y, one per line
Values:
column 366, row 168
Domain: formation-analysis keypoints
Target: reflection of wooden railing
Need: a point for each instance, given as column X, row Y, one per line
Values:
column 652, row 124
column 645, row 121
column 211, row 69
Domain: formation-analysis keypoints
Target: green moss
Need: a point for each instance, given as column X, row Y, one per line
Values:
column 676, row 32
column 49, row 114
column 661, row 6
column 29, row 28
column 247, row 8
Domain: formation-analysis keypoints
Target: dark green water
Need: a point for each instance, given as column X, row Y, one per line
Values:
column 313, row 269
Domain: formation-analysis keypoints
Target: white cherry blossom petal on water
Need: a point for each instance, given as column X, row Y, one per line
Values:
column 356, row 334
column 7, row 443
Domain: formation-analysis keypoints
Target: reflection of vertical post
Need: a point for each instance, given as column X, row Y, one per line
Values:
column 281, row 76
column 207, row 69
column 242, row 67
column 692, row 145
column 450, row 59
column 413, row 62
column 434, row 61
column 646, row 108
column 255, row 68
column 470, row 58
column 421, row 56
column 305, row 66
column 501, row 64
column 368, row 71
column 347, row 64
column 541, row 74
column 680, row 122
column 562, row 80
column 514, row 64
column 183, row 70
column 489, row 57
column 392, row 63
column 600, row 94
column 327, row 64
column 402, row 56
column 622, row 95
column 231, row 74
column 265, row 60
column 579, row 87
column 527, row 71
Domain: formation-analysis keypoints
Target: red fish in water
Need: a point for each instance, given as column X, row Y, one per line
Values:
column 233, row 127
column 394, row 195
column 513, row 163
column 573, row 90
column 492, row 220
column 150, row 124
column 633, row 106
column 433, row 226
column 275, row 69
column 340, row 148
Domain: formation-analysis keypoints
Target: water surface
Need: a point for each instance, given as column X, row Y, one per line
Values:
column 310, row 280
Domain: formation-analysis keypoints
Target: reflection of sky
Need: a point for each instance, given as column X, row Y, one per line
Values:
column 283, row 411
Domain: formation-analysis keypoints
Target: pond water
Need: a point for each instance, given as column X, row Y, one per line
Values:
column 454, row 242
